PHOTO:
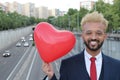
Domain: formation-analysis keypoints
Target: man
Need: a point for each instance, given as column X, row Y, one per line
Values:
column 80, row 66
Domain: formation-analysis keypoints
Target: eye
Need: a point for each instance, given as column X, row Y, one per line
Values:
column 88, row 33
column 99, row 33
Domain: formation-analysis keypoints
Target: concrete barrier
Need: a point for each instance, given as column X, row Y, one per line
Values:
column 10, row 36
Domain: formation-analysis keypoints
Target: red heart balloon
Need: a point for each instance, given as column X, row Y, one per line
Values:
column 52, row 43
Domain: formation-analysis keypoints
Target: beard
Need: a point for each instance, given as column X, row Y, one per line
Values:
column 93, row 48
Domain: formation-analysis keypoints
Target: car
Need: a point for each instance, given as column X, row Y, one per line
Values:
column 31, row 35
column 6, row 53
column 26, row 44
column 18, row 44
column 23, row 39
column 30, row 39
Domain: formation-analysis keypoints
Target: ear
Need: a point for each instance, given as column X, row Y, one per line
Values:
column 106, row 36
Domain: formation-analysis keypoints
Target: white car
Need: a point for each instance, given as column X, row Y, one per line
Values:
column 23, row 39
column 30, row 39
column 26, row 44
column 18, row 44
column 31, row 35
column 6, row 53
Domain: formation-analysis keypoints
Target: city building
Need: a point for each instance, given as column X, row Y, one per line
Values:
column 43, row 12
column 91, row 4
column 54, row 12
column 14, row 7
column 3, row 7
column 36, row 12
column 29, row 9
column 108, row 1
column 87, row 4
column 61, row 13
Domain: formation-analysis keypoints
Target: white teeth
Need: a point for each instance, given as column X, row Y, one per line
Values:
column 93, row 42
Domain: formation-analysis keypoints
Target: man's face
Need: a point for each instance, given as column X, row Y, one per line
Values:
column 93, row 35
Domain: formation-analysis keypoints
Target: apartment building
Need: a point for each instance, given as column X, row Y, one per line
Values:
column 36, row 12
column 90, row 4
column 3, row 7
column 54, row 12
column 43, row 12
column 108, row 1
column 29, row 9
column 14, row 7
column 87, row 4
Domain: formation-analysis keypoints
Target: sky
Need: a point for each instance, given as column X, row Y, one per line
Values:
column 63, row 5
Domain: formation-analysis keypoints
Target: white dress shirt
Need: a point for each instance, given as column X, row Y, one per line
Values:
column 47, row 78
column 98, row 62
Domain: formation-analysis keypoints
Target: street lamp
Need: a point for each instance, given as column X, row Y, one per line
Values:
column 94, row 6
column 69, row 21
column 78, row 21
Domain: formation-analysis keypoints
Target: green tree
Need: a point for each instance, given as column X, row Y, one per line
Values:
column 82, row 13
column 51, row 19
column 72, row 11
column 116, row 14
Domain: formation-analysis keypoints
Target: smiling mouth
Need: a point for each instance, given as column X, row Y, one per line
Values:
column 93, row 42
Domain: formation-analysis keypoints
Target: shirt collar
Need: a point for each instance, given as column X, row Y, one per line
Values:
column 87, row 55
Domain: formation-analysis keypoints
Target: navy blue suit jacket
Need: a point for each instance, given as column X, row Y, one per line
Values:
column 74, row 68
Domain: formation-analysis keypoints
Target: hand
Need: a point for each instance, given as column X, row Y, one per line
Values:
column 47, row 69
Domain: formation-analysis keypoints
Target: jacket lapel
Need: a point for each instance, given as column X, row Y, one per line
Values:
column 106, row 68
column 82, row 68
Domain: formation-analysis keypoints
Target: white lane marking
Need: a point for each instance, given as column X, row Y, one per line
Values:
column 17, row 64
column 24, row 66
column 30, row 69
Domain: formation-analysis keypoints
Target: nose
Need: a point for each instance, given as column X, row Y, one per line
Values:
column 94, row 36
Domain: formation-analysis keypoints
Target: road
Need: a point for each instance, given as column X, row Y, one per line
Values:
column 19, row 65
column 25, row 62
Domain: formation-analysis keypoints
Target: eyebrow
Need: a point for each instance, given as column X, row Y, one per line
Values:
column 95, row 31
